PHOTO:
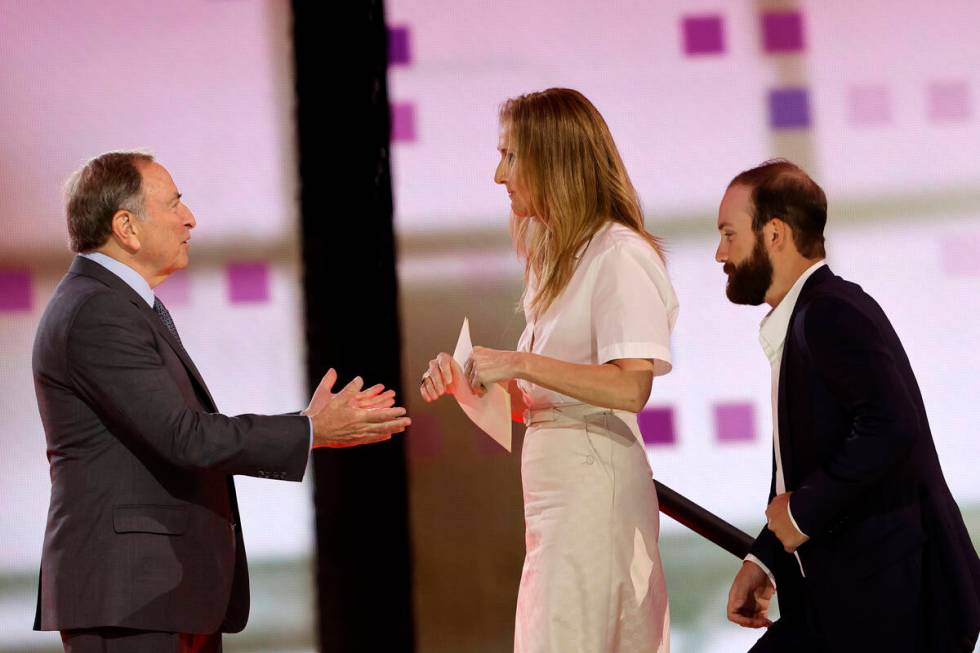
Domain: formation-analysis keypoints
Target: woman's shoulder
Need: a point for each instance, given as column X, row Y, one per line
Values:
column 617, row 237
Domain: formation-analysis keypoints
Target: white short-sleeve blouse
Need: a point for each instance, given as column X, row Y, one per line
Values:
column 619, row 303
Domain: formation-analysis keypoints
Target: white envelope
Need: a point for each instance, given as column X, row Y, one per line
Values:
column 491, row 412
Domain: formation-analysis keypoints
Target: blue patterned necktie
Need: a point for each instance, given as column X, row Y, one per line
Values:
column 168, row 321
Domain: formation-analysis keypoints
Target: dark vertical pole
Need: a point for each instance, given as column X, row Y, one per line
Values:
column 363, row 572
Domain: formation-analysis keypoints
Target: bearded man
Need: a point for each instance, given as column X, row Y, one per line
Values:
column 864, row 541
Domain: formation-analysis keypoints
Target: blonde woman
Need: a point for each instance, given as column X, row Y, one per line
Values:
column 599, row 308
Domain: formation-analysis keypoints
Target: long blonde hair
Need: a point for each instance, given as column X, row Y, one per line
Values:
column 576, row 182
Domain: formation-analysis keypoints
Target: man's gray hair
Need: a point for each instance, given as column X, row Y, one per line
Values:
column 94, row 193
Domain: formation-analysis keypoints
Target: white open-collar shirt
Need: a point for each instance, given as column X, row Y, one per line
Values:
column 619, row 303
column 772, row 337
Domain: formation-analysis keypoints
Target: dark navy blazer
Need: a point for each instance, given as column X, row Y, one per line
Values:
column 889, row 559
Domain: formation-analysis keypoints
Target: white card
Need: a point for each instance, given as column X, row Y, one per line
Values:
column 491, row 412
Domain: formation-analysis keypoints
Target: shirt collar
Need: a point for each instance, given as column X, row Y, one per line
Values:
column 772, row 331
column 132, row 278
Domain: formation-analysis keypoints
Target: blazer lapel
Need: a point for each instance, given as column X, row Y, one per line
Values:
column 92, row 269
column 791, row 356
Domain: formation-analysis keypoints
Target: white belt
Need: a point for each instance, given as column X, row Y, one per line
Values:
column 563, row 413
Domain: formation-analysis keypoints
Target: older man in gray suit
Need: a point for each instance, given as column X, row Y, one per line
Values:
column 143, row 549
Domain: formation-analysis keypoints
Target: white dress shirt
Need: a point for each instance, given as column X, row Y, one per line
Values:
column 619, row 303
column 772, row 336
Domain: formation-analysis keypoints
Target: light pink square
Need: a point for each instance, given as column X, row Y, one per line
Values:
column 869, row 105
column 949, row 102
column 961, row 255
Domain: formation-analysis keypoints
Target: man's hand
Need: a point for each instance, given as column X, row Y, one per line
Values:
column 748, row 599
column 353, row 416
column 781, row 525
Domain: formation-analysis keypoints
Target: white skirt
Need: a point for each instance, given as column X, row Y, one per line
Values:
column 592, row 579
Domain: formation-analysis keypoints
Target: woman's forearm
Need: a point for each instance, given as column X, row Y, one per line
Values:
column 622, row 385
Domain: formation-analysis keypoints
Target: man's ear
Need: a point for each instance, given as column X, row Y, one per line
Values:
column 126, row 230
column 778, row 235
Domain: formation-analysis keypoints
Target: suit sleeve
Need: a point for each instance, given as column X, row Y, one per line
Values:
column 114, row 364
column 862, row 372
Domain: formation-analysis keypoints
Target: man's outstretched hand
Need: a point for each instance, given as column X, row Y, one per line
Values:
column 353, row 416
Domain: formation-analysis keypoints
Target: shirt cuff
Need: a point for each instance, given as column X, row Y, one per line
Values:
column 789, row 511
column 751, row 558
column 311, row 435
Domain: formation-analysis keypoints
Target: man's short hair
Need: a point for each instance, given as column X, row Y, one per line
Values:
column 94, row 193
column 781, row 189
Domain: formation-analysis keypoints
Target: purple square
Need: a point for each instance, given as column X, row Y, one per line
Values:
column 657, row 426
column 403, row 122
column 703, row 35
column 734, row 422
column 399, row 52
column 789, row 108
column 869, row 105
column 176, row 290
column 782, row 31
column 949, row 102
column 15, row 290
column 248, row 282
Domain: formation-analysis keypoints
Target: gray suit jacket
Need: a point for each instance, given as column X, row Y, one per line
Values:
column 143, row 529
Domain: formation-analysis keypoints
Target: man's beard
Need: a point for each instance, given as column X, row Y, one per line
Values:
column 749, row 281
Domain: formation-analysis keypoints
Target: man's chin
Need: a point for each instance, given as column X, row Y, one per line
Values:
column 743, row 299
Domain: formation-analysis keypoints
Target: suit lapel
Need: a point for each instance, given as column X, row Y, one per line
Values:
column 791, row 357
column 85, row 267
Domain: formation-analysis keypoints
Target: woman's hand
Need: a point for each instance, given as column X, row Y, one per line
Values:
column 441, row 377
column 486, row 366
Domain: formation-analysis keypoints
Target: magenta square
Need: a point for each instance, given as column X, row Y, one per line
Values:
column 734, row 422
column 657, row 426
column 949, row 102
column 703, row 35
column 789, row 108
column 15, row 290
column 176, row 290
column 869, row 105
column 961, row 255
column 403, row 122
column 399, row 52
column 248, row 282
column 782, row 31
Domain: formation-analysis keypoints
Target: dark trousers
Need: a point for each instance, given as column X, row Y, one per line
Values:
column 124, row 640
